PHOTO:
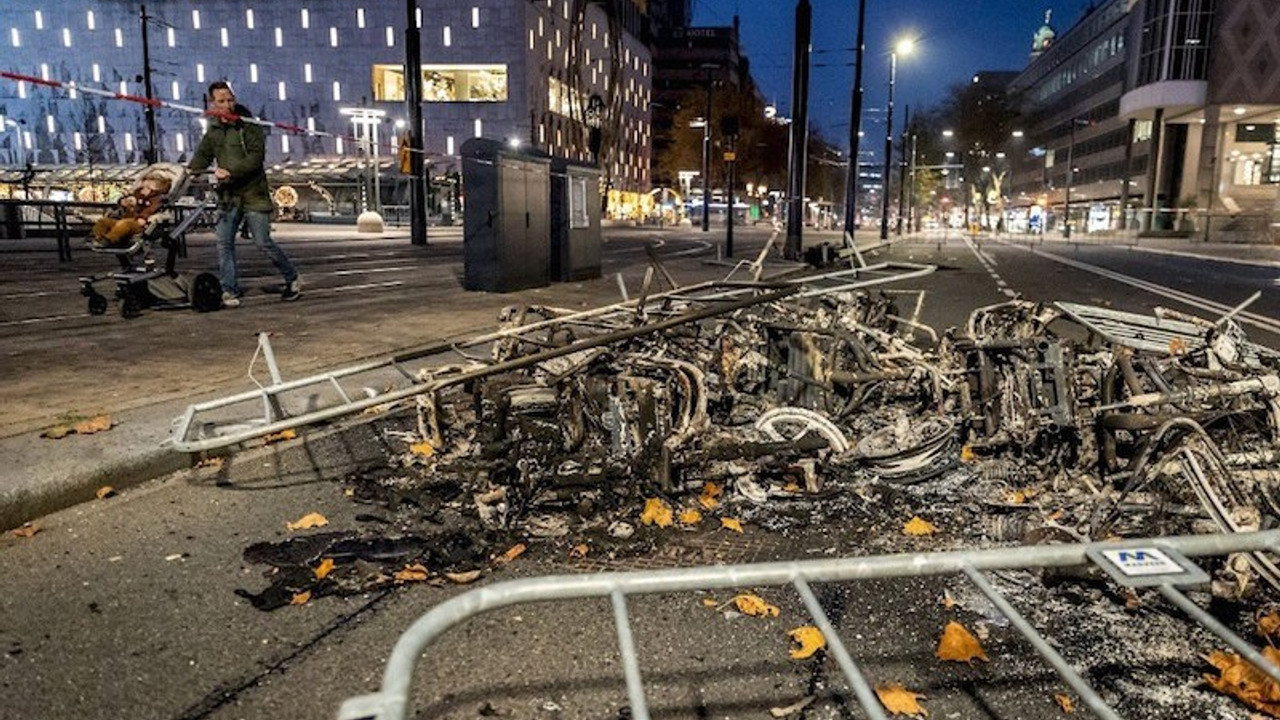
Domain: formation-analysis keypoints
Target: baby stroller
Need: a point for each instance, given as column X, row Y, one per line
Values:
column 139, row 283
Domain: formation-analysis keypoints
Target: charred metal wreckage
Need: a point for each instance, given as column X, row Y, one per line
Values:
column 1121, row 424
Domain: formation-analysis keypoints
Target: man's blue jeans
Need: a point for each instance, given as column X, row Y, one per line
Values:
column 260, row 228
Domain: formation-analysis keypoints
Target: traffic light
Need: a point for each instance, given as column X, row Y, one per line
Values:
column 406, row 154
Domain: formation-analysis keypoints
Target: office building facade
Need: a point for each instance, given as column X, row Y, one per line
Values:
column 541, row 73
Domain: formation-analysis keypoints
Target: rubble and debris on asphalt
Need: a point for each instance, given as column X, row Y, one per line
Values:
column 828, row 419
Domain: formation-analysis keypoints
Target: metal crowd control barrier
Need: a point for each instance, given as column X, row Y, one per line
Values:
column 1156, row 562
column 346, row 391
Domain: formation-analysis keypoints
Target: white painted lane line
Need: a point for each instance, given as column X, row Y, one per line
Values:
column 399, row 268
column 38, row 320
column 1213, row 307
column 366, row 286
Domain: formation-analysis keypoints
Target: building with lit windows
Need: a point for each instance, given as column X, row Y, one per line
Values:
column 1154, row 116
column 531, row 71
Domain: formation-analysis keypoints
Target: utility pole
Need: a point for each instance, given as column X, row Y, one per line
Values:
column 729, row 130
column 799, row 132
column 706, row 155
column 413, row 97
column 1071, row 171
column 855, row 130
column 153, row 153
column 888, row 148
column 902, row 170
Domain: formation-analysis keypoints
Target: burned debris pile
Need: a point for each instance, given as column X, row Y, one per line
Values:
column 785, row 406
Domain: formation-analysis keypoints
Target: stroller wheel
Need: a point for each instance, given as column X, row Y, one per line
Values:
column 130, row 306
column 97, row 304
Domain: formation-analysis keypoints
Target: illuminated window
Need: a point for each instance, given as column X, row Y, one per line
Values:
column 558, row 43
column 280, row 91
column 48, row 121
column 171, row 38
column 306, row 72
column 44, row 71
column 306, row 18
column 279, row 37
column 39, row 20
column 180, row 142
column 418, row 18
column 391, row 36
column 475, row 17
column 530, row 38
column 333, row 37
column 337, row 91
column 248, row 18
column 175, row 90
column 75, row 140
column 444, row 83
column 311, row 124
column 102, row 124
column 448, row 145
column 448, row 36
column 542, row 133
column 195, row 19
column 119, row 37
column 199, row 72
column 339, row 151
column 479, row 126
column 97, row 72
column 360, row 17
column 124, row 87
column 90, row 21
column 226, row 37
column 593, row 31
column 71, row 91
column 284, row 143
column 128, row 142
column 566, row 9
column 253, row 72
column 15, row 38
column 542, row 30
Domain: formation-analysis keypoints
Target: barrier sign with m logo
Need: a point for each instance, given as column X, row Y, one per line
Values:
column 1142, row 566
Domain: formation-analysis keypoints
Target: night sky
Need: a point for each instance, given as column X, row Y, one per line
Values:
column 955, row 39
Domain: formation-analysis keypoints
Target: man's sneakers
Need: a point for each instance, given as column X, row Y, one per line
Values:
column 292, row 289
column 230, row 300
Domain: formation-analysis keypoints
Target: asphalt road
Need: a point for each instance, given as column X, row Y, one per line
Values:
column 126, row 607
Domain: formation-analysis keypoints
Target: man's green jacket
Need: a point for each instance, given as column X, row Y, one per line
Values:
column 240, row 148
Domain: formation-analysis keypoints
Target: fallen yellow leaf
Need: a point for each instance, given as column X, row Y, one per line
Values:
column 512, row 553
column 1177, row 346
column 947, row 601
column 959, row 645
column 690, row 517
column 709, row 602
column 413, row 573
column 967, row 455
column 306, row 522
column 463, row 578
column 280, row 436
column 754, row 605
column 56, row 432
column 900, row 701
column 1240, row 679
column 105, row 492
column 93, row 425
column 324, row 568
column 710, row 492
column 301, row 598
column 211, row 462
column 1065, row 702
column 918, row 526
column 422, row 449
column 731, row 524
column 711, row 489
column 806, row 640
column 26, row 531
column 1268, row 624
column 579, row 551
column 657, row 512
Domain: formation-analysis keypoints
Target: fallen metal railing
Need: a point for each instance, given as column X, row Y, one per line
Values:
column 1130, row 563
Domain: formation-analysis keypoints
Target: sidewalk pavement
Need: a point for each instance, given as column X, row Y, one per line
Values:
column 39, row 475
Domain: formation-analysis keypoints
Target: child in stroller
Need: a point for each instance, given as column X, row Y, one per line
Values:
column 144, row 217
column 129, row 218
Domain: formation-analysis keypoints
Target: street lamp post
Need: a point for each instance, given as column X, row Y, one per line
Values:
column 367, row 121
column 706, row 154
column 1071, row 171
column 904, row 47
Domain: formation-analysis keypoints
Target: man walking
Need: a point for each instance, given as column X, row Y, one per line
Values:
column 243, row 193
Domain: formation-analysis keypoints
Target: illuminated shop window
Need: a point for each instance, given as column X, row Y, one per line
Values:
column 444, row 83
